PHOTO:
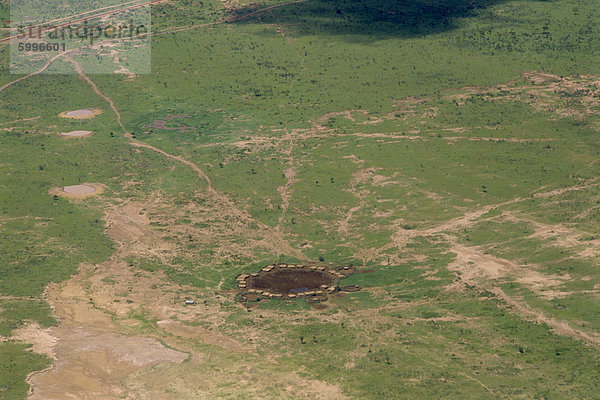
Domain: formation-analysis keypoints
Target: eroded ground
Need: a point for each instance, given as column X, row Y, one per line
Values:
column 124, row 331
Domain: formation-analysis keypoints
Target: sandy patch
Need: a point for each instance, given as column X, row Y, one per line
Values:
column 92, row 364
column 474, row 265
column 480, row 270
column 80, row 191
column 320, row 123
column 564, row 96
column 589, row 253
column 205, row 335
column 95, row 360
column 41, row 339
column 77, row 134
column 83, row 113
column 129, row 223
column 91, row 358
column 560, row 235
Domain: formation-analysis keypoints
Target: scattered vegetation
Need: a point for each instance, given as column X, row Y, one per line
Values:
column 383, row 135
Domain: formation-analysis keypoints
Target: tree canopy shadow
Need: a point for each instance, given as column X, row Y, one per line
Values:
column 372, row 18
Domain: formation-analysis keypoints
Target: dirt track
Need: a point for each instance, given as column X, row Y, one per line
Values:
column 400, row 238
column 95, row 360
column 164, row 31
column 476, row 269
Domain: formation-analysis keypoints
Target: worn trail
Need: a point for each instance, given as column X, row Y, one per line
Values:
column 273, row 235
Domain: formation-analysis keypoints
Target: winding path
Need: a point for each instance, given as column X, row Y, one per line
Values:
column 273, row 235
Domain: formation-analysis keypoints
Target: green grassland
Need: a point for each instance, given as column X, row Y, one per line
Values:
column 366, row 103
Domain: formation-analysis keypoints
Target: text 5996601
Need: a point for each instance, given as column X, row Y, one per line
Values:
column 23, row 46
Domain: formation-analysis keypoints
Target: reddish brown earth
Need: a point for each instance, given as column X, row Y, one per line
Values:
column 285, row 280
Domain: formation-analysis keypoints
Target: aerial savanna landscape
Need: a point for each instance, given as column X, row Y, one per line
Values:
column 309, row 199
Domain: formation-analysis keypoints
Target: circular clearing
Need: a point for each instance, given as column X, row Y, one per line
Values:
column 289, row 281
column 350, row 288
column 79, row 113
column 79, row 189
column 84, row 113
column 286, row 281
column 77, row 133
